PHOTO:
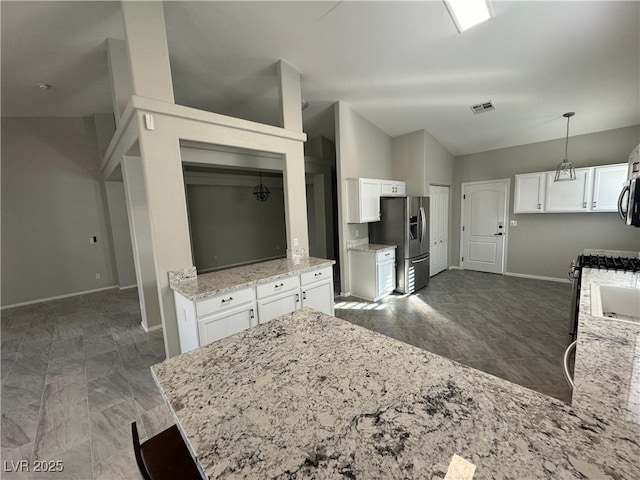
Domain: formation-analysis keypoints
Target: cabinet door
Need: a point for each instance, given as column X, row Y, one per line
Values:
column 607, row 184
column 388, row 188
column 273, row 307
column 568, row 195
column 529, row 193
column 224, row 324
column 386, row 275
column 369, row 200
column 401, row 189
column 319, row 297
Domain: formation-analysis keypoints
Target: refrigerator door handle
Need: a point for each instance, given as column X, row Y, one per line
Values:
column 420, row 261
column 423, row 229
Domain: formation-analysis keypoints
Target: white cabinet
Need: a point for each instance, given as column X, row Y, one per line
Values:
column 393, row 188
column 203, row 321
column 568, row 195
column 529, row 193
column 595, row 189
column 226, row 323
column 439, row 228
column 373, row 273
column 317, row 290
column 363, row 199
column 278, row 297
column 607, row 184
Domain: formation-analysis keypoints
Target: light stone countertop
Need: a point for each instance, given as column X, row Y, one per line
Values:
column 372, row 247
column 208, row 284
column 607, row 367
column 312, row 396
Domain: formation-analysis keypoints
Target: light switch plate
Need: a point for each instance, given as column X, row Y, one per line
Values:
column 513, row 223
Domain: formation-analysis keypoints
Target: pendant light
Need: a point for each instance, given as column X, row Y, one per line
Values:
column 565, row 170
column 261, row 191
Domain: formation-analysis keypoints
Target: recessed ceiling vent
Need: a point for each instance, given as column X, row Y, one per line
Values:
column 482, row 107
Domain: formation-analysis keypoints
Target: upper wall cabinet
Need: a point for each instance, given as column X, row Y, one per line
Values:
column 568, row 196
column 607, row 184
column 595, row 189
column 393, row 188
column 529, row 193
column 363, row 197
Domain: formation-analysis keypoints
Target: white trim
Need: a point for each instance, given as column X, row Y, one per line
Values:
column 345, row 294
column 147, row 329
column 455, row 267
column 537, row 277
column 40, row 300
column 127, row 287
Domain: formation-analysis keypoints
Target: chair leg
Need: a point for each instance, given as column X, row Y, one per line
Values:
column 138, row 454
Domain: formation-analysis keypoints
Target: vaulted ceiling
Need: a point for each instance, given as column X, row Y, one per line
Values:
column 402, row 65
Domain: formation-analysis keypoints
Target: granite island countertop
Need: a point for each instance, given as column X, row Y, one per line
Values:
column 312, row 396
column 205, row 285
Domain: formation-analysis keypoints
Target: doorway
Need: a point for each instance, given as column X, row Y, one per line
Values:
column 484, row 225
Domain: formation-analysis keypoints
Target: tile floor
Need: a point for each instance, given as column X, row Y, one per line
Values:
column 75, row 372
column 513, row 328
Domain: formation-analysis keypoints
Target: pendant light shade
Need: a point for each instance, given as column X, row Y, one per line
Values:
column 261, row 191
column 565, row 170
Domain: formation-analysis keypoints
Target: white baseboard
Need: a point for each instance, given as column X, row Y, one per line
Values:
column 155, row 327
column 58, row 297
column 345, row 294
column 538, row 277
column 455, row 267
column 127, row 287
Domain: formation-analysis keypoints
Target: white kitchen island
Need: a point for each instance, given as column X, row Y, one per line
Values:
column 215, row 305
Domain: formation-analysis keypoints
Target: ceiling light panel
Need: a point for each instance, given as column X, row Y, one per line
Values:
column 469, row 13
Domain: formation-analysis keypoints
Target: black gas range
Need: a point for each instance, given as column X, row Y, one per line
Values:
column 621, row 264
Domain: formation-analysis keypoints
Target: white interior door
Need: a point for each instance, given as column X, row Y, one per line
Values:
column 439, row 226
column 484, row 218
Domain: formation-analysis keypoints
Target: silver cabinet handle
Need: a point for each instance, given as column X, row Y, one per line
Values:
column 567, row 354
column 252, row 315
column 227, row 300
column 584, row 204
column 297, row 298
column 539, row 206
column 594, row 204
column 317, row 274
column 304, row 295
column 281, row 285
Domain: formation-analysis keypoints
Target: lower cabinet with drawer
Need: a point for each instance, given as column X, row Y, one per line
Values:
column 317, row 290
column 373, row 273
column 278, row 298
column 203, row 321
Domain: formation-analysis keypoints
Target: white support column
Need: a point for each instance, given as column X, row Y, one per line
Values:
column 293, row 174
column 290, row 97
column 295, row 203
column 167, row 209
column 141, row 240
column 148, row 52
column 119, row 76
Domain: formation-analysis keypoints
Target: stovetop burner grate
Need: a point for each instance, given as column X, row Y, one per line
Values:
column 623, row 264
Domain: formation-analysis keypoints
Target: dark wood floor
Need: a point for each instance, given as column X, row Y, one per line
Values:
column 513, row 328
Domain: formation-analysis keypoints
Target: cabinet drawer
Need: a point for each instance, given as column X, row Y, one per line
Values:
column 278, row 286
column 316, row 275
column 385, row 255
column 223, row 301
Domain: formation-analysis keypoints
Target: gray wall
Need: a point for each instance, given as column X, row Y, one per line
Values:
column 229, row 226
column 52, row 203
column 544, row 244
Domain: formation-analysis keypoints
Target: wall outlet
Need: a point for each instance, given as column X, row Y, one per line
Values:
column 513, row 223
column 357, row 233
column 97, row 276
column 295, row 242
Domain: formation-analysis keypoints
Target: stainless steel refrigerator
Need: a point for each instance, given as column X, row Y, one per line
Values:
column 404, row 223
